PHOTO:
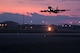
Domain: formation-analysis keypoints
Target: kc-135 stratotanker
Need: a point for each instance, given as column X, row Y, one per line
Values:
column 52, row 10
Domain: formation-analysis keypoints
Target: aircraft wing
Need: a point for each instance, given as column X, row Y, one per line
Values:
column 64, row 10
column 44, row 11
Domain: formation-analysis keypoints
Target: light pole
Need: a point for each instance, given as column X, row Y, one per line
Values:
column 23, row 18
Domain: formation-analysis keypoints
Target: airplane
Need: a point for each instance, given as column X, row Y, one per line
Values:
column 51, row 10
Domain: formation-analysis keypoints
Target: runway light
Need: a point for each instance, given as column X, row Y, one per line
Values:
column 62, row 25
column 49, row 28
column 71, row 22
column 31, row 27
column 69, row 25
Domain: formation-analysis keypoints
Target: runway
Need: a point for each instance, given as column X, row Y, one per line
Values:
column 24, row 38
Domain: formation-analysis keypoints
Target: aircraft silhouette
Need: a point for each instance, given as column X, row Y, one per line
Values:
column 51, row 10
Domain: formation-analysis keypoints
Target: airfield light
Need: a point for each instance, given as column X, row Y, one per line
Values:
column 25, row 23
column 79, row 22
column 31, row 27
column 42, row 21
column 31, row 21
column 62, row 25
column 71, row 22
column 49, row 28
column 5, row 24
column 0, row 25
column 69, row 25
column 65, row 25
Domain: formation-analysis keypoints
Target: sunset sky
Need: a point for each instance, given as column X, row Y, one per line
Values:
column 34, row 6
